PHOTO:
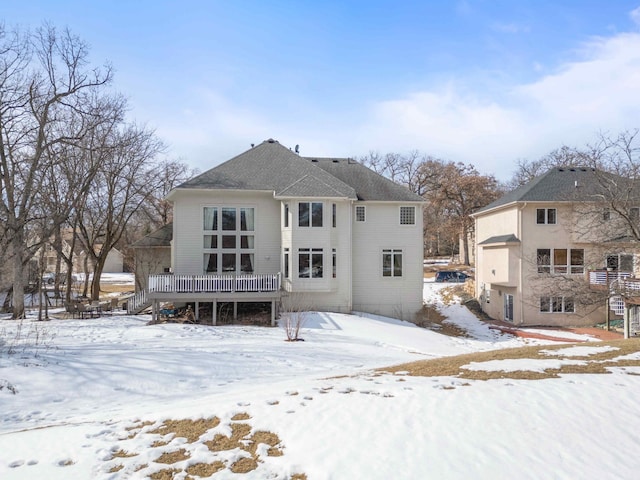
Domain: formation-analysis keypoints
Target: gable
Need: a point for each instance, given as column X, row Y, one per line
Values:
column 270, row 167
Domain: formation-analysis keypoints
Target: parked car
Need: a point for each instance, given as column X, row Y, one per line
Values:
column 49, row 278
column 451, row 276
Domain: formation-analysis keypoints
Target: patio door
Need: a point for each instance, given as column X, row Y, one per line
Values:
column 508, row 307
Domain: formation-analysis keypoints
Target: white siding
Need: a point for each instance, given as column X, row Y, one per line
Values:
column 373, row 293
column 188, row 228
column 326, row 293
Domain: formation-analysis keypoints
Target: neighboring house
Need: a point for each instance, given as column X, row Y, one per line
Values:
column 152, row 255
column 330, row 234
column 550, row 253
column 113, row 264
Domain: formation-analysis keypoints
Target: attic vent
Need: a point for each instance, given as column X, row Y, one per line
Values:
column 271, row 140
column 336, row 161
column 314, row 160
column 572, row 169
column 583, row 169
column 561, row 169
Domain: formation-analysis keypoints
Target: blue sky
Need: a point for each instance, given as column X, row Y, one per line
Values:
column 485, row 82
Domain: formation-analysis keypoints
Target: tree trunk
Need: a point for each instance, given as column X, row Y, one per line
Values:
column 95, row 283
column 465, row 246
column 18, row 246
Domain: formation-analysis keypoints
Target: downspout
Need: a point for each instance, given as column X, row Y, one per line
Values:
column 351, row 208
column 520, row 272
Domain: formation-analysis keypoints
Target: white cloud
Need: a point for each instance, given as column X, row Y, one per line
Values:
column 635, row 15
column 601, row 92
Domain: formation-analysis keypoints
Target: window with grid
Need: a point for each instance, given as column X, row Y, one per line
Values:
column 228, row 239
column 557, row 304
column 361, row 213
column 560, row 260
column 407, row 215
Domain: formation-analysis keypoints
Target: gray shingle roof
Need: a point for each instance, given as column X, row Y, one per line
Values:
column 271, row 167
column 509, row 238
column 556, row 185
column 159, row 238
column 368, row 184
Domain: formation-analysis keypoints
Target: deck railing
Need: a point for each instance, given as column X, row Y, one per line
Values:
column 606, row 277
column 137, row 301
column 169, row 283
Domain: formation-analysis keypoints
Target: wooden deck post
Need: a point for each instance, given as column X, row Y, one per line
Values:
column 214, row 313
column 273, row 313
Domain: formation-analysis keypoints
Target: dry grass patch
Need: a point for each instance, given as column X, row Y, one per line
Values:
column 430, row 317
column 598, row 363
column 115, row 288
column 241, row 439
column 244, row 465
column 123, row 454
column 166, row 474
column 173, row 457
column 221, row 442
column 205, row 470
column 192, row 430
column 268, row 438
column 299, row 476
column 240, row 416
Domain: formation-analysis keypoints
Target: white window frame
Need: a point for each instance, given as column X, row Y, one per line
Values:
column 311, row 205
column 237, row 234
column 361, row 213
column 310, row 253
column 286, row 214
column 392, row 253
column 547, row 216
column 406, row 218
column 560, row 268
column 557, row 304
column 286, row 262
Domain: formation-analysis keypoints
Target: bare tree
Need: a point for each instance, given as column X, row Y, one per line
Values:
column 125, row 181
column 294, row 312
column 46, row 92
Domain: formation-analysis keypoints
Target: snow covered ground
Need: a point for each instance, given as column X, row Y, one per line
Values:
column 90, row 394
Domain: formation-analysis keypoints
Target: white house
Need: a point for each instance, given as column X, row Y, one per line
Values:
column 268, row 223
